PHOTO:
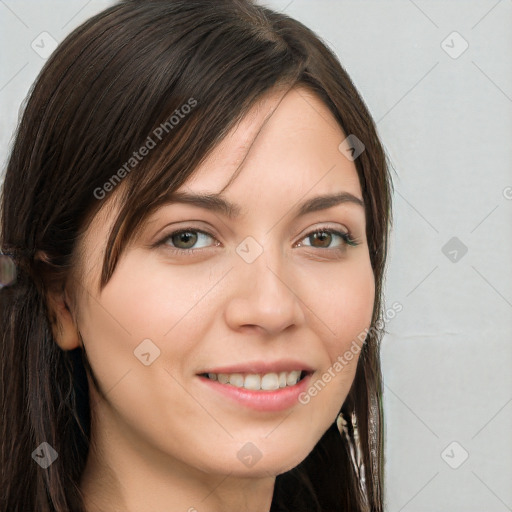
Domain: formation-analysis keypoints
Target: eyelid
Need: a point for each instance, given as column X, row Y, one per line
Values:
column 344, row 233
column 171, row 230
column 186, row 229
column 326, row 227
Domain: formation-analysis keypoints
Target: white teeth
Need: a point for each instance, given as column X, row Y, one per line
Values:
column 265, row 382
column 237, row 379
column 292, row 377
column 270, row 381
column 223, row 378
column 252, row 382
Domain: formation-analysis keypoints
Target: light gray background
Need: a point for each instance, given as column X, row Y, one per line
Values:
column 446, row 124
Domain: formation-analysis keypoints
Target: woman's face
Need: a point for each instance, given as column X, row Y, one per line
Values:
column 257, row 298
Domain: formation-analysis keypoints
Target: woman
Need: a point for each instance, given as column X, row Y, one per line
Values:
column 197, row 206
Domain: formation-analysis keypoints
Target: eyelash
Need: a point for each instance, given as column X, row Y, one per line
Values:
column 346, row 237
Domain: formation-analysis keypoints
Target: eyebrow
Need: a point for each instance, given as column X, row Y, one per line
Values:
column 218, row 204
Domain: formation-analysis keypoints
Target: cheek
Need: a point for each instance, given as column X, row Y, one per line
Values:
column 355, row 311
column 341, row 300
column 344, row 311
column 134, row 307
column 142, row 302
column 354, row 304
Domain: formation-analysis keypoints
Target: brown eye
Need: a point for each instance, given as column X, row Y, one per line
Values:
column 322, row 237
column 187, row 238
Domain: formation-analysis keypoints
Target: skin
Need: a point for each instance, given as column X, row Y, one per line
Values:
column 161, row 439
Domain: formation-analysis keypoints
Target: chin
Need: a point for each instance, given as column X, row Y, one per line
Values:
column 278, row 462
column 264, row 463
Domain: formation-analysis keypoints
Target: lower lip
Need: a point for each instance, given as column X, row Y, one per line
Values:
column 275, row 400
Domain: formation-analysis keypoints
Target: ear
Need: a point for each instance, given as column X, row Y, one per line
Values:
column 64, row 328
column 65, row 331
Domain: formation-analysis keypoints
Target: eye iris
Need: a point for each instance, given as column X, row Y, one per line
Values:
column 323, row 237
column 188, row 237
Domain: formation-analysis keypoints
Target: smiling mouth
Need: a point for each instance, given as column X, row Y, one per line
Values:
column 259, row 382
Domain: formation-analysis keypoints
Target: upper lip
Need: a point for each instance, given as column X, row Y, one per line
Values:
column 260, row 367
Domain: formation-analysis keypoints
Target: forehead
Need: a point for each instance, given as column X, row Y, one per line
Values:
column 288, row 138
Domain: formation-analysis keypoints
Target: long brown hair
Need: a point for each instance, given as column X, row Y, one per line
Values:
column 108, row 86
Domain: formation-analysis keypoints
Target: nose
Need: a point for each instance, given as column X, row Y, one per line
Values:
column 263, row 296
